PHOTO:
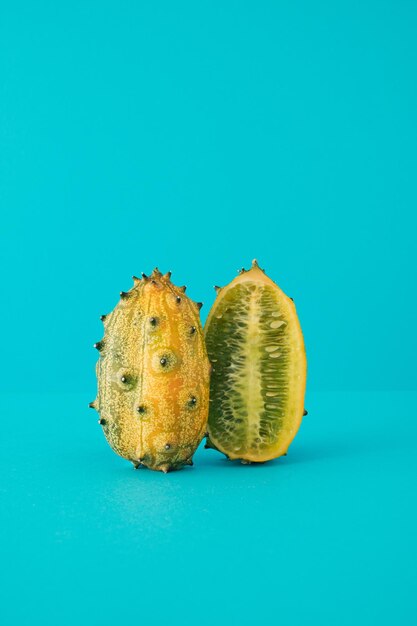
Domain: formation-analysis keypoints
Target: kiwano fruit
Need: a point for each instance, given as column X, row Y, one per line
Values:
column 153, row 375
column 255, row 344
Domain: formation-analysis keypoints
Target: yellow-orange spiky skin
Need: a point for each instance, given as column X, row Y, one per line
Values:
column 153, row 375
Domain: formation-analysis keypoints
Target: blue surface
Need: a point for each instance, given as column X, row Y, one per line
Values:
column 196, row 136
column 325, row 535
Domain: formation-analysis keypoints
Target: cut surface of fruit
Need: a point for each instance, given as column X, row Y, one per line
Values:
column 255, row 344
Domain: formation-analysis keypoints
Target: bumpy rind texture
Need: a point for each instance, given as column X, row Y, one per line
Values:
column 153, row 375
column 255, row 344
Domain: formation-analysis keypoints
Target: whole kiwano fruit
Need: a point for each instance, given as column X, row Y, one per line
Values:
column 153, row 375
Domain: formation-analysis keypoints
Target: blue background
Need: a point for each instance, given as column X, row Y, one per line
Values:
column 196, row 136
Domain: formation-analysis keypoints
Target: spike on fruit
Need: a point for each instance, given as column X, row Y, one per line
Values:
column 255, row 265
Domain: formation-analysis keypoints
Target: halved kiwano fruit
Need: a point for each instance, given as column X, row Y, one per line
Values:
column 255, row 344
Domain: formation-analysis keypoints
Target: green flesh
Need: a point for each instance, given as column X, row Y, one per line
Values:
column 251, row 353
